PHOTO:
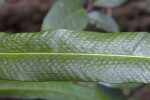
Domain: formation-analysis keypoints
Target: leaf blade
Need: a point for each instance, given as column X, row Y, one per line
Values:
column 64, row 55
column 48, row 90
column 62, row 68
column 67, row 14
column 103, row 21
column 111, row 93
column 108, row 3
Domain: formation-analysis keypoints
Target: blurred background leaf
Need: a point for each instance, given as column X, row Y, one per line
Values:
column 103, row 21
column 126, row 86
column 111, row 93
column 49, row 90
column 121, row 86
column 108, row 3
column 2, row 3
column 66, row 14
column 82, row 2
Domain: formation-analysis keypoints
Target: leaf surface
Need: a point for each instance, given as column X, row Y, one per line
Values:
column 48, row 90
column 82, row 2
column 2, row 3
column 111, row 93
column 69, row 55
column 126, row 85
column 108, row 3
column 103, row 21
column 66, row 14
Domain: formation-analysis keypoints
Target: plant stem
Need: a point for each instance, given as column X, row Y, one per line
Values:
column 109, row 12
column 89, row 5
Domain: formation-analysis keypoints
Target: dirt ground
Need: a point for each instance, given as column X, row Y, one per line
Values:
column 23, row 15
column 27, row 15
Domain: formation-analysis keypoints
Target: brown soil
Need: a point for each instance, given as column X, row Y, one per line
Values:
column 23, row 15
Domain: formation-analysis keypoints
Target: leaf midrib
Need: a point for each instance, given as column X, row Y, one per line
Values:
column 76, row 54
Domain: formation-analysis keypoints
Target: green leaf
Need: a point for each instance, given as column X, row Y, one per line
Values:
column 103, row 21
column 48, row 90
column 2, row 3
column 121, row 86
column 66, row 14
column 82, row 2
column 111, row 93
column 63, row 55
column 126, row 86
column 108, row 3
